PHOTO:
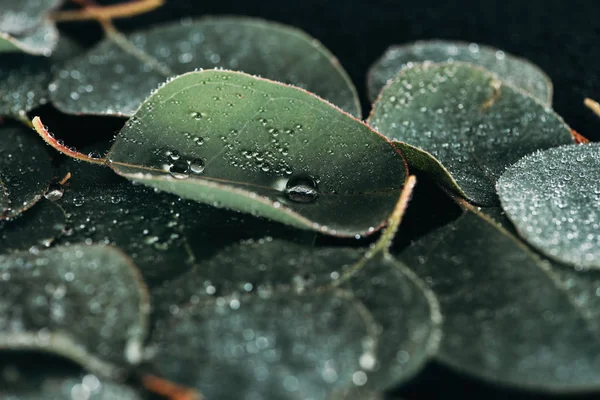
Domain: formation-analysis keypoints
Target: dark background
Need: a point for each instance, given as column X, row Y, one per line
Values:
column 561, row 36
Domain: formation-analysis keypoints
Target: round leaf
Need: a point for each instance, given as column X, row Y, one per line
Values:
column 252, row 145
column 20, row 16
column 292, row 321
column 518, row 71
column 507, row 318
column 25, row 168
column 553, row 199
column 469, row 120
column 272, row 50
column 41, row 41
column 85, row 303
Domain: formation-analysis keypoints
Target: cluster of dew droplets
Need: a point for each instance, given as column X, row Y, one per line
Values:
column 180, row 167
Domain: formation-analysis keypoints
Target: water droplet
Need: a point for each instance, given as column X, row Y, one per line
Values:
column 179, row 169
column 301, row 189
column 55, row 192
column 197, row 166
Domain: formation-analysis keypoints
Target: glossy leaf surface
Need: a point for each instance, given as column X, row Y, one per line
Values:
column 257, row 146
column 469, row 120
column 268, row 49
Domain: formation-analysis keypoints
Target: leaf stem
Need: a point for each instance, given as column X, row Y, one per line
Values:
column 169, row 389
column 92, row 11
column 61, row 148
column 592, row 105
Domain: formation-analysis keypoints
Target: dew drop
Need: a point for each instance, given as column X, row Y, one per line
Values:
column 180, row 169
column 301, row 189
column 55, row 192
column 197, row 166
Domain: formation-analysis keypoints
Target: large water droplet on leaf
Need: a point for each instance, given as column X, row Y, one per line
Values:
column 302, row 189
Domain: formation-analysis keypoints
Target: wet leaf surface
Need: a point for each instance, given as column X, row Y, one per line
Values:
column 553, row 199
column 35, row 377
column 518, row 71
column 24, row 78
column 273, row 151
column 85, row 303
column 510, row 320
column 469, row 120
column 277, row 319
column 163, row 234
column 20, row 16
column 34, row 230
column 42, row 40
column 25, row 168
column 268, row 49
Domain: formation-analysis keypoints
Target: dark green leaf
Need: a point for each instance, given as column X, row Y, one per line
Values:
column 553, row 199
column 34, row 230
column 163, row 234
column 85, row 303
column 518, row 71
column 249, row 144
column 25, row 168
column 110, row 81
column 24, row 78
column 293, row 322
column 469, row 120
column 507, row 318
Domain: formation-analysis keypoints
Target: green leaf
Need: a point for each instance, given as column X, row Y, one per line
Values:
column 163, row 234
column 507, row 318
column 553, row 199
column 24, row 78
column 21, row 16
column 41, row 41
column 469, row 120
column 109, row 80
column 252, row 145
column 25, row 169
column 293, row 321
column 33, row 230
column 85, row 303
column 518, row 71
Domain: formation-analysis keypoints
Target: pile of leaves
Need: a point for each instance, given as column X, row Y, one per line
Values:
column 241, row 236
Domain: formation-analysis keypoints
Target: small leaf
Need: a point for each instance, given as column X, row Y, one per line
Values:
column 25, row 168
column 274, row 151
column 507, row 318
column 41, row 41
column 293, row 321
column 164, row 235
column 469, row 120
column 553, row 199
column 21, row 16
column 518, row 71
column 85, row 303
column 33, row 230
column 24, row 78
column 272, row 50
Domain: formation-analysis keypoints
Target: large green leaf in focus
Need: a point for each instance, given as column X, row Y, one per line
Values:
column 25, row 169
column 464, row 125
column 163, row 234
column 85, row 303
column 509, row 317
column 24, row 78
column 286, row 321
column 34, row 230
column 257, row 146
column 111, row 81
column 518, row 71
column 553, row 199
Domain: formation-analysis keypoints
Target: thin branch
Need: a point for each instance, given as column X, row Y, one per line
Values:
column 93, row 12
column 169, row 389
column 592, row 105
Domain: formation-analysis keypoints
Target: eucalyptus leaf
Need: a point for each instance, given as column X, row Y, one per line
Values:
column 292, row 322
column 465, row 117
column 164, row 235
column 253, row 145
column 34, row 230
column 40, row 41
column 20, row 16
column 518, row 71
column 507, row 318
column 553, row 199
column 25, row 168
column 24, row 78
column 111, row 81
column 85, row 303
